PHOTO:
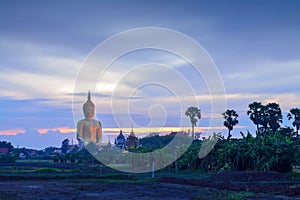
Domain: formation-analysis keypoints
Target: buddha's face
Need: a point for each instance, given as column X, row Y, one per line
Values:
column 89, row 112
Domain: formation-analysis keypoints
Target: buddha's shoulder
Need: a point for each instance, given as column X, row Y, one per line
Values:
column 81, row 121
column 92, row 121
column 96, row 122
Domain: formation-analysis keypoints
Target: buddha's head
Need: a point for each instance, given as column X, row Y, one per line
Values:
column 89, row 108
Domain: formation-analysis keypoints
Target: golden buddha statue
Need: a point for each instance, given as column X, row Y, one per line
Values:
column 89, row 129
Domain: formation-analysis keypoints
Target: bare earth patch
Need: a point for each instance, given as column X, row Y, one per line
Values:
column 20, row 181
column 91, row 190
column 96, row 190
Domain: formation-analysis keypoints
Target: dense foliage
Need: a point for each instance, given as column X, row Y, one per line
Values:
column 8, row 145
column 276, row 153
column 7, row 158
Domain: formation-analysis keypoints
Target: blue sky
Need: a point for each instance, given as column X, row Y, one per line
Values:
column 254, row 44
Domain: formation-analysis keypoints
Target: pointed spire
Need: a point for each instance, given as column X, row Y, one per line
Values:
column 109, row 143
column 131, row 128
column 89, row 96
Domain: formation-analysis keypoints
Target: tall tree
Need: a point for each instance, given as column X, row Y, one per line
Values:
column 265, row 117
column 254, row 112
column 274, row 116
column 231, row 120
column 193, row 113
column 295, row 114
column 65, row 146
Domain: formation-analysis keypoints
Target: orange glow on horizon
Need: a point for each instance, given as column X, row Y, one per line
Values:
column 136, row 130
column 60, row 129
column 12, row 131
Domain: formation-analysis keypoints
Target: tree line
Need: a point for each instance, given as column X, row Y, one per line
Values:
column 266, row 118
column 273, row 148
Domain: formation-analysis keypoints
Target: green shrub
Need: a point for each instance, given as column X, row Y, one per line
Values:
column 239, row 196
column 46, row 170
column 274, row 152
column 7, row 158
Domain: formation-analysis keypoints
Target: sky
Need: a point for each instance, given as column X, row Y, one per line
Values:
column 255, row 46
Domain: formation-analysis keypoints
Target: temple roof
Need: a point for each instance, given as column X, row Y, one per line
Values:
column 121, row 136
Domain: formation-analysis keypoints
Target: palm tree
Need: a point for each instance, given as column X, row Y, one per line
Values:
column 231, row 120
column 296, row 122
column 254, row 112
column 193, row 113
column 266, row 117
column 274, row 116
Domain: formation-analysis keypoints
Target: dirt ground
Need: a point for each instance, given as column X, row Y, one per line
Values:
column 248, row 181
column 91, row 190
column 87, row 190
column 106, row 184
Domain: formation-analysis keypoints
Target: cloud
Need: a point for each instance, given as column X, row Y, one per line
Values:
column 263, row 77
column 33, row 71
column 12, row 131
column 37, row 113
column 60, row 129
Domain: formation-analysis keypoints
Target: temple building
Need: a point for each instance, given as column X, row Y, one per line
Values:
column 131, row 142
column 120, row 141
